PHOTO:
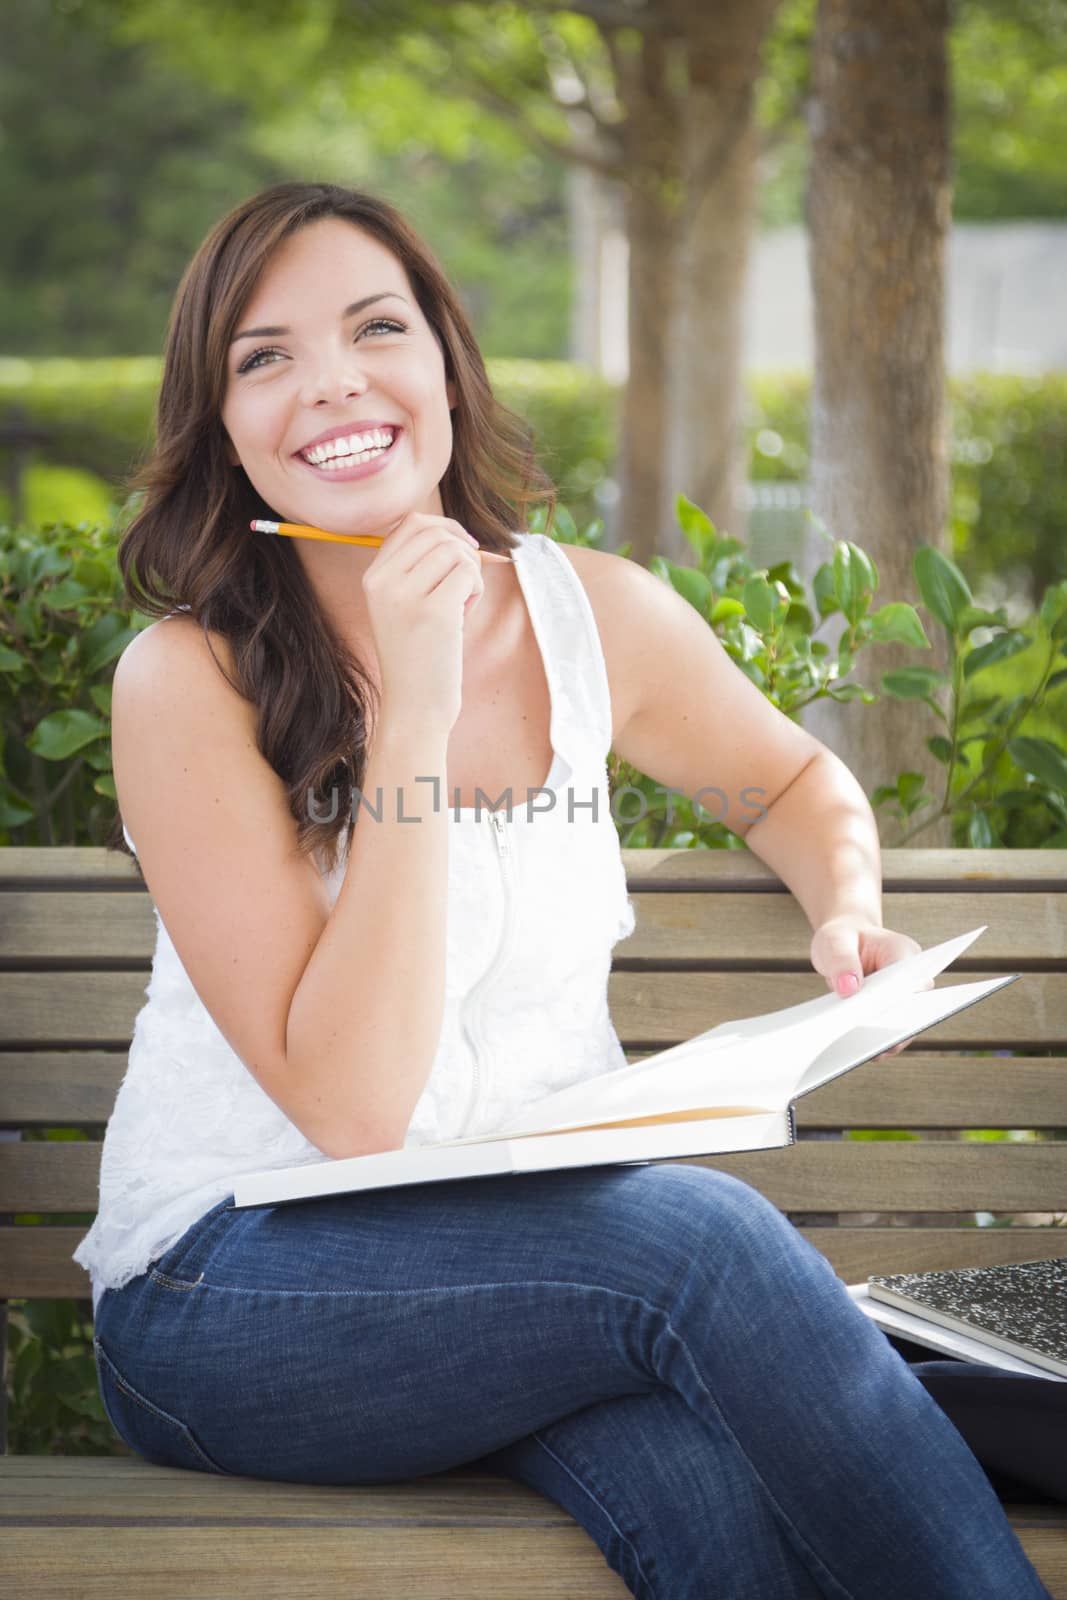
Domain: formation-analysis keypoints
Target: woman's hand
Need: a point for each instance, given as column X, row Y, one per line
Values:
column 845, row 949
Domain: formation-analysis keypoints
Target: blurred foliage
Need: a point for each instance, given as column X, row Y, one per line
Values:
column 1005, row 783
column 1008, row 71
column 112, row 167
column 105, row 206
column 1009, row 86
column 201, row 113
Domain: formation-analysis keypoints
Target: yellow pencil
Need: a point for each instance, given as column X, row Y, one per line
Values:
column 299, row 530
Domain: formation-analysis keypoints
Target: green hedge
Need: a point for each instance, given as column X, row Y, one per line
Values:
column 1008, row 446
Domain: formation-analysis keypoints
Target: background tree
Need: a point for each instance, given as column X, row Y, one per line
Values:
column 879, row 205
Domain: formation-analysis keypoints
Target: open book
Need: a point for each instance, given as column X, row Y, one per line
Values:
column 731, row 1088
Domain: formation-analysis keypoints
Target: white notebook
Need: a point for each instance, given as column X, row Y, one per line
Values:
column 731, row 1088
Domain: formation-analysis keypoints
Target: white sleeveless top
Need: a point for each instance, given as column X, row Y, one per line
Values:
column 536, row 902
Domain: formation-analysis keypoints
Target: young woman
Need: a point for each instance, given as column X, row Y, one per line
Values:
column 656, row 1347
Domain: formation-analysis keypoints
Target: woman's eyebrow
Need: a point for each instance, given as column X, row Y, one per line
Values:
column 349, row 311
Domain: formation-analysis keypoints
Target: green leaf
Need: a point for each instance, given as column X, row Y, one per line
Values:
column 942, row 585
column 1042, row 759
column 854, row 577
column 975, row 709
column 822, row 586
column 696, row 525
column 12, row 812
column 64, row 595
column 941, row 748
column 786, row 572
column 1001, row 648
column 851, row 691
column 910, row 786
column 979, row 832
column 1053, row 612
column 691, row 584
column 912, row 683
column 727, row 607
column 972, row 617
column 765, row 603
column 898, row 623
column 62, row 733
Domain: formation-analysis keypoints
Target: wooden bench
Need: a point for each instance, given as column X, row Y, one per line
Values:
column 717, row 936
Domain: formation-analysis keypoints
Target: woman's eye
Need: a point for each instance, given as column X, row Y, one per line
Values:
column 271, row 350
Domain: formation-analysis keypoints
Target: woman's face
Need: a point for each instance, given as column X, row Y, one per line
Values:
column 302, row 365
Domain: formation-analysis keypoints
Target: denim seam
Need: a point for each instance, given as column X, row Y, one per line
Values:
column 159, row 1414
column 173, row 1283
column 825, row 1575
column 451, row 1288
column 594, row 1495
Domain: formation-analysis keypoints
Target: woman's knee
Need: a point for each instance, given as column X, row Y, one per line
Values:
column 697, row 1205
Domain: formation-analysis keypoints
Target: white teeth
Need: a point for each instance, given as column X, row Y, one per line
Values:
column 338, row 463
column 355, row 447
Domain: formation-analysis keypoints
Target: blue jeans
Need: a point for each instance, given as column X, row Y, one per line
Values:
column 655, row 1348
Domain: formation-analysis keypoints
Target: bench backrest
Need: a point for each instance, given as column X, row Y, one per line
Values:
column 717, row 936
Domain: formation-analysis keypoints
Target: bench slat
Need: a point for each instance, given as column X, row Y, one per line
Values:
column 54, row 1088
column 924, row 871
column 929, row 871
column 649, row 1009
column 71, row 928
column 814, row 1175
column 465, row 1533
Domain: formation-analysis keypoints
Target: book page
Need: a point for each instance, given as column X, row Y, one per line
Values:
column 754, row 1061
column 908, row 1017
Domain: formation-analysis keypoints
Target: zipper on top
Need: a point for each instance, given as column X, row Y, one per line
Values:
column 473, row 1033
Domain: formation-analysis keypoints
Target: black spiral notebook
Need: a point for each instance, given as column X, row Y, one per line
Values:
column 1019, row 1308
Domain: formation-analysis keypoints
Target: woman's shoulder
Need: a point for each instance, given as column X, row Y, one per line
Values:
column 178, row 647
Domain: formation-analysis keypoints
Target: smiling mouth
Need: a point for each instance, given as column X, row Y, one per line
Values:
column 340, row 462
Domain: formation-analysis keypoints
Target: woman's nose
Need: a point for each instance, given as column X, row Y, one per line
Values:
column 333, row 377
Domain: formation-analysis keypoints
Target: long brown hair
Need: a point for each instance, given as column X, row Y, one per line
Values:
column 189, row 544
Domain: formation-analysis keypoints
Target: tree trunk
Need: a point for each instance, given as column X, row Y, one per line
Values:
column 651, row 136
column 879, row 207
column 721, row 149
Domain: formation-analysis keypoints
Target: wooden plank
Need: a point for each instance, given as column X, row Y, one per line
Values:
column 813, row 1175
column 52, row 866
column 75, row 1525
column 226, row 1561
column 73, row 927
column 727, row 930
column 35, row 1262
column 924, row 1175
column 653, row 1010
column 856, row 1252
column 69, row 928
column 59, row 1088
column 927, row 870
column 67, row 1010
column 919, row 1089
